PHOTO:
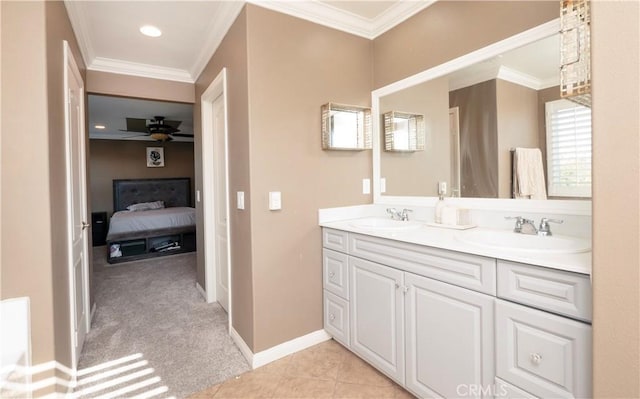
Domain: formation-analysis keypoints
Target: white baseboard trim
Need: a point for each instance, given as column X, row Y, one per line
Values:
column 244, row 348
column 286, row 348
column 279, row 351
column 201, row 291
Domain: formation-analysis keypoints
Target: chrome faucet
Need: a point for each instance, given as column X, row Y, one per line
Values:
column 523, row 226
column 545, row 229
column 399, row 215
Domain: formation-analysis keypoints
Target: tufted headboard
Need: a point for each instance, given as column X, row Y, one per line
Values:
column 173, row 191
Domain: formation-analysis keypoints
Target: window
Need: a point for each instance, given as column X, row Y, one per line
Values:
column 568, row 149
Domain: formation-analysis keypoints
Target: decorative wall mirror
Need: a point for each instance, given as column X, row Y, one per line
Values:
column 346, row 127
column 413, row 179
column 403, row 132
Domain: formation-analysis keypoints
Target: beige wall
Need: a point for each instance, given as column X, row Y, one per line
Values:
column 135, row 86
column 616, row 199
column 418, row 173
column 126, row 159
column 33, row 179
column 295, row 66
column 517, row 110
column 449, row 29
column 232, row 54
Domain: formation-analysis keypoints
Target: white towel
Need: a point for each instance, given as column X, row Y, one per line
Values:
column 529, row 174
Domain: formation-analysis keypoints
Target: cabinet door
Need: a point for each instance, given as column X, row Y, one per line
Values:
column 450, row 347
column 377, row 322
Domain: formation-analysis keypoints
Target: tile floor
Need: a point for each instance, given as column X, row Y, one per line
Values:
column 326, row 370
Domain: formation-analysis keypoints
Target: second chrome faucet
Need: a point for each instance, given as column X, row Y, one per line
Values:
column 527, row 226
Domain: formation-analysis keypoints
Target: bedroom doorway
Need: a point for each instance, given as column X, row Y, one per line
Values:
column 215, row 193
column 77, row 225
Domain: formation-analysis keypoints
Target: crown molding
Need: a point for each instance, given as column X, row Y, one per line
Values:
column 78, row 19
column 215, row 33
column 396, row 14
column 519, row 78
column 141, row 70
column 322, row 14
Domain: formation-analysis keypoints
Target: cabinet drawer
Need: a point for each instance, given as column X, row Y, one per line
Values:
column 504, row 390
column 477, row 273
column 543, row 354
column 335, row 239
column 336, row 317
column 335, row 273
column 557, row 291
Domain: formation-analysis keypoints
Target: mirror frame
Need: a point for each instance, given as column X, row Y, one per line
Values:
column 569, row 207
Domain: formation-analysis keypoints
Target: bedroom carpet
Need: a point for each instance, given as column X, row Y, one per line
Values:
column 153, row 335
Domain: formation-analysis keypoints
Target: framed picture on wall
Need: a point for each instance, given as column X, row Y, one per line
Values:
column 155, row 157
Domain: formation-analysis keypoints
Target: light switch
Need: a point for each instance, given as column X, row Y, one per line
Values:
column 197, row 195
column 366, row 186
column 383, row 185
column 442, row 187
column 275, row 200
column 240, row 199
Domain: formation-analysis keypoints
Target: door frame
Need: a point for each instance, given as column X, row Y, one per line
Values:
column 70, row 66
column 216, row 89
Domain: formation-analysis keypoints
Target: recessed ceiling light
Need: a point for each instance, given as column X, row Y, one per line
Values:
column 150, row 30
column 100, row 126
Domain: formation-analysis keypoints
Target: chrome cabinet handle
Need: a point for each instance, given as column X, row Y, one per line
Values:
column 397, row 285
column 332, row 274
column 85, row 225
column 535, row 358
column 332, row 317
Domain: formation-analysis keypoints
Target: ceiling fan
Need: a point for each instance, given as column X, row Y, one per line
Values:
column 158, row 128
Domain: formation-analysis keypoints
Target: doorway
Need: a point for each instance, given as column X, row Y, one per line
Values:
column 215, row 193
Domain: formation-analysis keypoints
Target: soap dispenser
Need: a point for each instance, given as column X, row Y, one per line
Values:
column 442, row 190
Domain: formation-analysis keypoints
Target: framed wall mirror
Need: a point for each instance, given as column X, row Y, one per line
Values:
column 346, row 127
column 403, row 131
column 477, row 109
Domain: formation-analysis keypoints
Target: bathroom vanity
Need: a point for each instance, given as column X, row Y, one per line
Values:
column 446, row 318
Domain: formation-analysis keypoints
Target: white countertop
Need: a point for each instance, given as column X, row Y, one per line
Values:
column 445, row 238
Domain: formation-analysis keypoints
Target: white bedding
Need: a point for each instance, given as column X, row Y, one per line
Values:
column 128, row 221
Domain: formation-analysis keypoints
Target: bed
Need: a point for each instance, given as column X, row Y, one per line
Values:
column 152, row 217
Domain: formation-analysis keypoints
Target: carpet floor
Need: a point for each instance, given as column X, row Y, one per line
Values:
column 153, row 335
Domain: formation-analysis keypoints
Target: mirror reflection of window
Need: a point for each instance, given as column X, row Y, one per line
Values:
column 568, row 149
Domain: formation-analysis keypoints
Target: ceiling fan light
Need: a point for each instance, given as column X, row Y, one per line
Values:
column 160, row 136
column 150, row 30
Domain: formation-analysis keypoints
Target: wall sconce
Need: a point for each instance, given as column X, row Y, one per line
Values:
column 403, row 132
column 575, row 51
column 345, row 127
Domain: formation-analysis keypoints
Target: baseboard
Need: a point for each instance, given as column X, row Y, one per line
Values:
column 201, row 291
column 286, row 348
column 244, row 348
column 279, row 351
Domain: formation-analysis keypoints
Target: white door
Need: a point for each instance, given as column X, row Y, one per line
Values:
column 220, row 201
column 449, row 340
column 377, row 325
column 76, row 203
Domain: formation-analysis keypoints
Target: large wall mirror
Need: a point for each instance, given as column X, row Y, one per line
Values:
column 479, row 108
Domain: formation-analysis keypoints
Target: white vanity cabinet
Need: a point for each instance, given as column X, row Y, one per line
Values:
column 449, row 324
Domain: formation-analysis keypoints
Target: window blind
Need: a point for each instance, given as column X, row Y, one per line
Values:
column 568, row 149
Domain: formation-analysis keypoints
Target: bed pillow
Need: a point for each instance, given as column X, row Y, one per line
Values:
column 146, row 206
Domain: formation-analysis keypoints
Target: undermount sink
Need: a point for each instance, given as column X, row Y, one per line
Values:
column 387, row 224
column 508, row 240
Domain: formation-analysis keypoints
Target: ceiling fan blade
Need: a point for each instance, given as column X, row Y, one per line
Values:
column 137, row 125
column 173, row 124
